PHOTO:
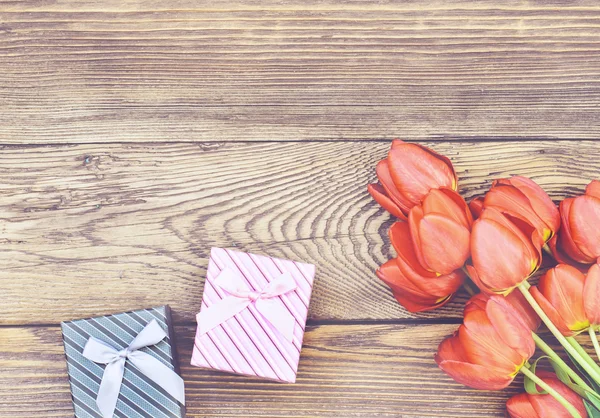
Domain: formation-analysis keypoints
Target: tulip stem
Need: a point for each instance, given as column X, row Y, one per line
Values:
column 551, row 392
column 583, row 353
column 546, row 349
column 594, row 339
column 523, row 287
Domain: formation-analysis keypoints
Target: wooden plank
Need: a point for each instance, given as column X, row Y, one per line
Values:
column 345, row 370
column 136, row 222
column 139, row 71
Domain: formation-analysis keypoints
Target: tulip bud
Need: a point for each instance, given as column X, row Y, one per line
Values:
column 408, row 173
column 524, row 199
column 490, row 347
column 414, row 287
column 440, row 230
column 579, row 238
column 505, row 252
column 570, row 298
column 525, row 405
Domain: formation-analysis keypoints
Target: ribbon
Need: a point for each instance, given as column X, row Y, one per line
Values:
column 240, row 297
column 100, row 352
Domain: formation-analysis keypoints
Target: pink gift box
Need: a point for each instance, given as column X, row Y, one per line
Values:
column 253, row 315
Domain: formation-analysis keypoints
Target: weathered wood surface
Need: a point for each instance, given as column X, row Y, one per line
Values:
column 139, row 71
column 90, row 229
column 345, row 371
column 129, row 146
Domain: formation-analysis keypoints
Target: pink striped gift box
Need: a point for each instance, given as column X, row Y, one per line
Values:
column 253, row 315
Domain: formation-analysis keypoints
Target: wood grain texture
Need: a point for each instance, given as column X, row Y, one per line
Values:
column 90, row 229
column 139, row 71
column 345, row 371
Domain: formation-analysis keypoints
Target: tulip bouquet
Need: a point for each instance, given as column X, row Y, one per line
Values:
column 496, row 242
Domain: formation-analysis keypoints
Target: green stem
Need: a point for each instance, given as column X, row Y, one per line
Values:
column 523, row 287
column 583, row 353
column 594, row 339
column 560, row 362
column 551, row 392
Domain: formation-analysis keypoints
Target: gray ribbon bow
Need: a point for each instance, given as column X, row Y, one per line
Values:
column 100, row 352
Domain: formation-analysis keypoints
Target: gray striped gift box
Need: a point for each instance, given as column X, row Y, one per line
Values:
column 139, row 396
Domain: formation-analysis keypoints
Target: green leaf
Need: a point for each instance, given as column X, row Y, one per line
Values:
column 593, row 399
column 562, row 375
column 587, row 377
column 530, row 386
column 591, row 410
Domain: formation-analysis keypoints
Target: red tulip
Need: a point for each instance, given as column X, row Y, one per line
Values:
column 414, row 287
column 439, row 229
column 570, row 298
column 544, row 406
column 522, row 198
column 504, row 252
column 408, row 173
column 579, row 237
column 490, row 347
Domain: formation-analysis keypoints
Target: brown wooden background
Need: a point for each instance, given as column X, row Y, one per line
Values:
column 135, row 135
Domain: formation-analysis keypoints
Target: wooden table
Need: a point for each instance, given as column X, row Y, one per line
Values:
column 135, row 135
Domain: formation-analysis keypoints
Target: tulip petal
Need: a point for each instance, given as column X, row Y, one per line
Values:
column 541, row 203
column 444, row 243
column 406, row 292
column 510, row 326
column 448, row 202
column 509, row 199
column 452, row 358
column 593, row 189
column 475, row 376
column 519, row 406
column 551, row 312
column 560, row 255
column 428, row 282
column 562, row 286
column 415, row 216
column 452, row 349
column 526, row 312
column 383, row 175
column 565, row 239
column 416, row 169
column 501, row 254
column 378, row 193
column 391, row 275
column 484, row 346
column 591, row 295
column 401, row 239
column 414, row 305
column 584, row 219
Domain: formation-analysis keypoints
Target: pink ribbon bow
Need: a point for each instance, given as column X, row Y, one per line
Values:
column 240, row 297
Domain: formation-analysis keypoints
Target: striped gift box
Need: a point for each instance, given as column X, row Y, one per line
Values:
column 248, row 344
column 139, row 396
